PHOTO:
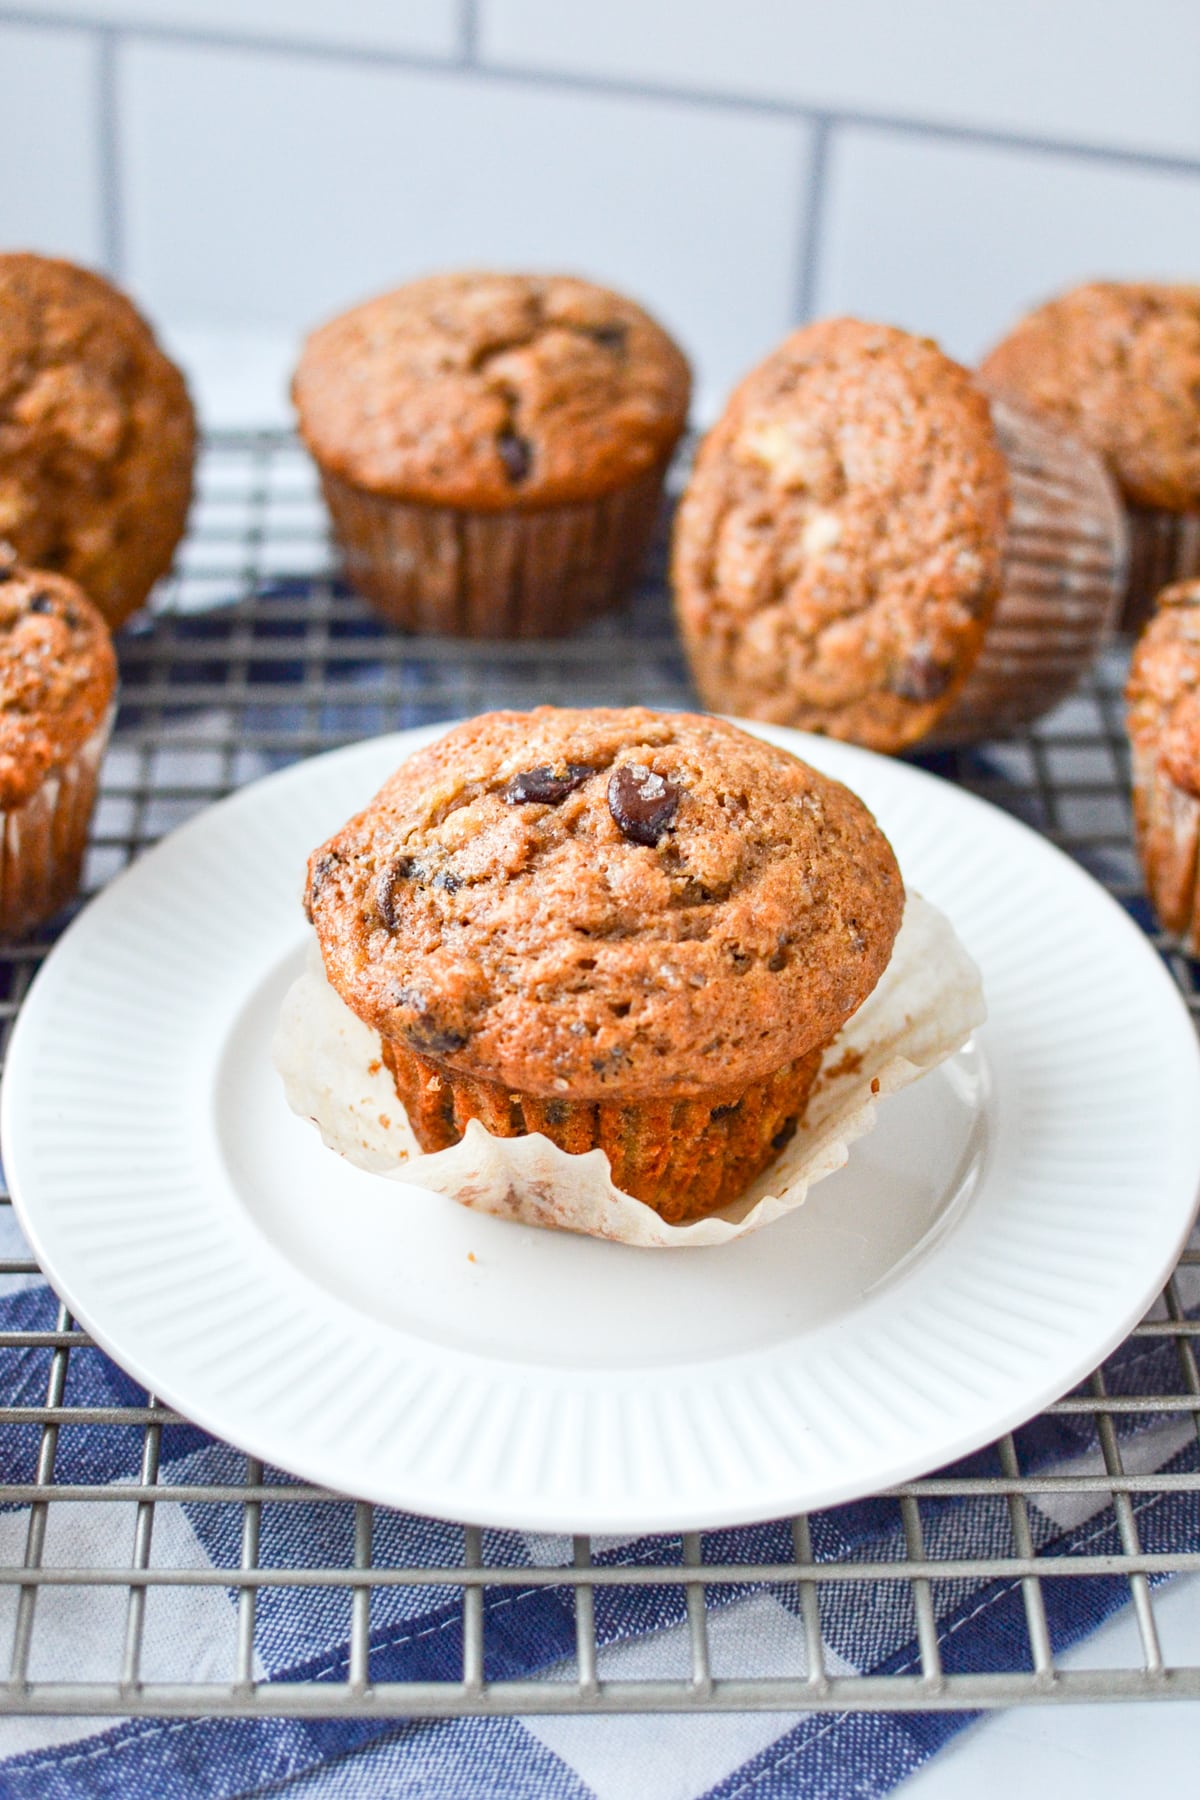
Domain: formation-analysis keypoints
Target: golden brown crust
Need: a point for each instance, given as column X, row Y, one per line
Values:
column 1118, row 363
column 535, row 943
column 97, row 435
column 837, row 554
column 1163, row 720
column 1163, row 691
column 685, row 1158
column 57, row 677
column 491, row 392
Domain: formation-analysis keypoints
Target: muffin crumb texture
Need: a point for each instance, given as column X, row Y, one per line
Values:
column 838, row 552
column 492, row 392
column 1118, row 364
column 606, row 905
column 57, row 676
column 1163, row 699
column 97, row 434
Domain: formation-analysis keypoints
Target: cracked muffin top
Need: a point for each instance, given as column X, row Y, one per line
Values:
column 492, row 391
column 97, row 435
column 1163, row 692
column 606, row 902
column 57, row 676
column 838, row 551
column 1118, row 363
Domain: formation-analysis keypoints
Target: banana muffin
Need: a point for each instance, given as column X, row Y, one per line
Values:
column 97, row 435
column 867, row 548
column 1117, row 363
column 1163, row 719
column 492, row 447
column 620, row 928
column 58, row 676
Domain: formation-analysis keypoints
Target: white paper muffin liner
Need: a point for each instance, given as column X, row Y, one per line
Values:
column 926, row 1005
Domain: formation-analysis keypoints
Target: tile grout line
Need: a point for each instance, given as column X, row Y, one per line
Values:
column 464, row 60
column 468, row 33
column 812, row 221
column 108, row 154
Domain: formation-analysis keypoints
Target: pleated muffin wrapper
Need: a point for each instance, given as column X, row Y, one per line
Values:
column 1065, row 562
column 1164, row 547
column 1167, row 829
column 925, row 1006
column 519, row 573
column 42, row 842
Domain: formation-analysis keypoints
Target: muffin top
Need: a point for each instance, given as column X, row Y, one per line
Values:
column 96, row 433
column 1163, row 692
column 57, row 676
column 492, row 391
column 1118, row 362
column 605, row 903
column 838, row 551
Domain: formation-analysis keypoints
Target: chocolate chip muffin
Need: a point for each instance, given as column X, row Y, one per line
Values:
column 1118, row 364
column 97, row 436
column 58, row 676
column 622, row 929
column 1163, row 719
column 867, row 548
column 492, row 447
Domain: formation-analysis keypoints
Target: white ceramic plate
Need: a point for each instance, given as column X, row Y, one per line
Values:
column 1009, row 1219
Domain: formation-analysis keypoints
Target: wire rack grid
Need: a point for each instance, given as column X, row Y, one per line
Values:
column 253, row 656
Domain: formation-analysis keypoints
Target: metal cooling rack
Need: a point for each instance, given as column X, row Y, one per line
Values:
column 253, row 657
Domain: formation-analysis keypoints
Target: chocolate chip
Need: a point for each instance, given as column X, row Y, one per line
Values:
column 779, row 959
column 447, row 880
column 642, row 803
column 428, row 1035
column 785, row 1134
column 612, row 337
column 322, row 869
column 71, row 618
column 723, row 1112
column 543, row 786
column 41, row 603
column 516, row 453
column 556, row 1112
column 430, row 1041
column 920, row 678
column 384, row 891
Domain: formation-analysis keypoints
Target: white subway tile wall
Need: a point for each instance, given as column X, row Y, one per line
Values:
column 1094, row 71
column 956, row 240
column 420, row 27
column 324, row 183
column 246, row 167
column 50, row 143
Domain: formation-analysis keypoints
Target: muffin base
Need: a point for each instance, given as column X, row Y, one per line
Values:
column 514, row 574
column 1163, row 547
column 1167, row 830
column 684, row 1158
column 1065, row 561
column 42, row 843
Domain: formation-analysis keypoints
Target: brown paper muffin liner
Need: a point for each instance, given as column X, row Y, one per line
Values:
column 1166, row 821
column 1065, row 561
column 515, row 574
column 924, row 1008
column 42, row 842
column 1163, row 547
column 684, row 1157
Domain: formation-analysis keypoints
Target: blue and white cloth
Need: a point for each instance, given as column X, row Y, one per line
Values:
column 302, row 1634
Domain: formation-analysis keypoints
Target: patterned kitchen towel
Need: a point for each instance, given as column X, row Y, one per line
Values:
column 302, row 1633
